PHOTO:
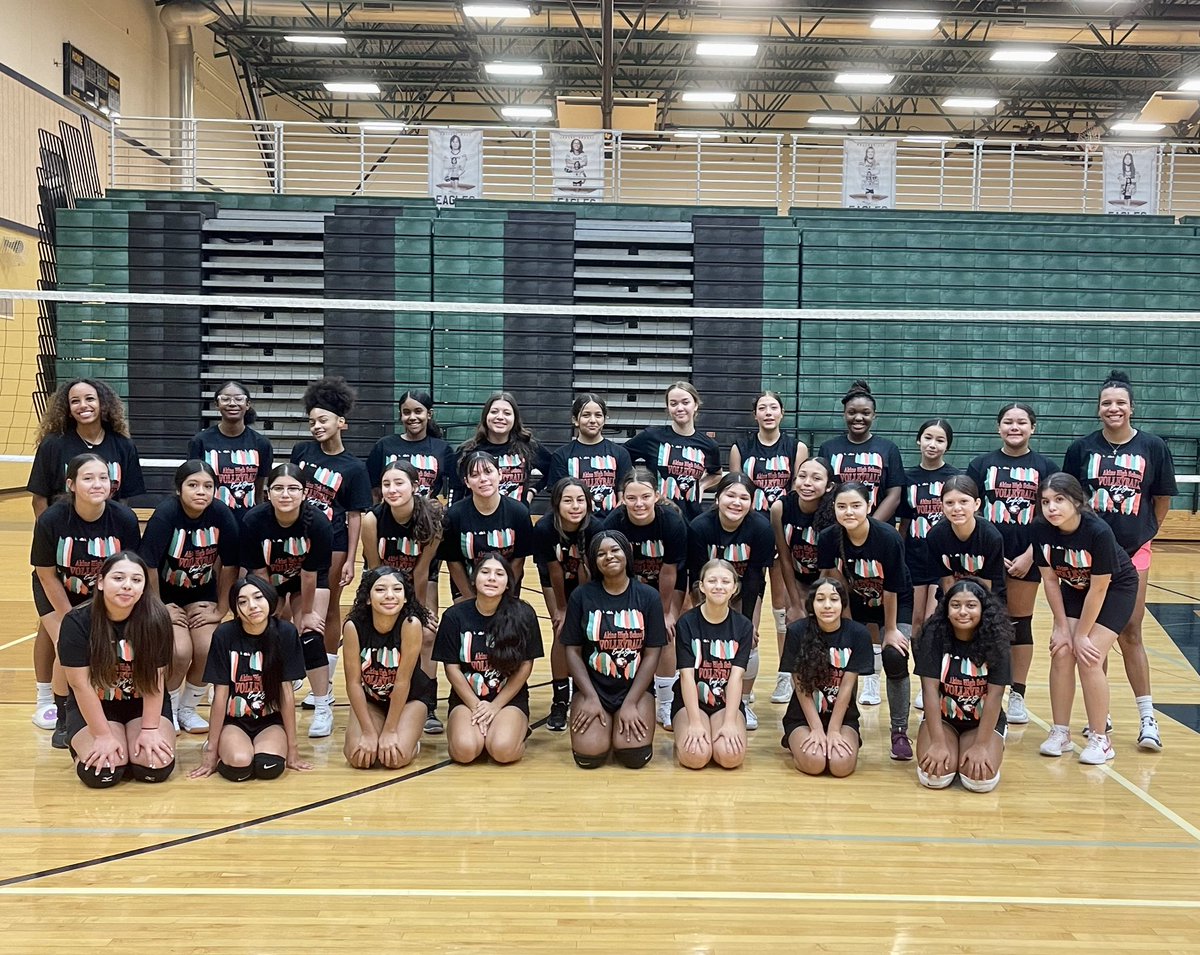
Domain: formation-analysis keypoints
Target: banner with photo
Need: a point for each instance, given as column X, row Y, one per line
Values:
column 1131, row 180
column 455, row 164
column 577, row 165
column 868, row 173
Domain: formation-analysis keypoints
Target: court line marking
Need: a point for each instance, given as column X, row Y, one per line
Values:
column 1040, row 901
column 1167, row 813
column 19, row 640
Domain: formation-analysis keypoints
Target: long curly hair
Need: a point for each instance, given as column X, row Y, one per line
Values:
column 812, row 660
column 824, row 515
column 360, row 612
column 58, row 420
column 994, row 633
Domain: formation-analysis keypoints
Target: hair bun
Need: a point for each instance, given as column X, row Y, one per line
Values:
column 1117, row 375
column 859, row 385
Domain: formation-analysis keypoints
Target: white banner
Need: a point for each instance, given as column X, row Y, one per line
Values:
column 455, row 164
column 1131, row 180
column 869, row 173
column 577, row 165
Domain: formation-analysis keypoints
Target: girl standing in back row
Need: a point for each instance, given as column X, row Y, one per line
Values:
column 861, row 456
column 599, row 463
column 240, row 457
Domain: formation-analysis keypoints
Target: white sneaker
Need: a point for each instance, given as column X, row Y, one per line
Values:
column 783, row 688
column 1057, row 743
column 322, row 722
column 919, row 702
column 868, row 694
column 190, row 721
column 1148, row 738
column 45, row 717
column 1017, row 713
column 310, row 701
column 663, row 715
column 1098, row 751
column 751, row 718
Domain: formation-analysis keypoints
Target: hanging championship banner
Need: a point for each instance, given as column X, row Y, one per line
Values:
column 1131, row 180
column 455, row 164
column 868, row 173
column 577, row 161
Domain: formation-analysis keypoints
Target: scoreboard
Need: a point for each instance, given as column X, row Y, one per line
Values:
column 90, row 83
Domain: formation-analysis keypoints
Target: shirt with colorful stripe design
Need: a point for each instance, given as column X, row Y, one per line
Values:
column 467, row 534
column 432, row 457
column 679, row 463
column 395, row 543
column 712, row 650
column 769, row 467
column 875, row 462
column 600, row 467
column 661, row 542
column 333, row 483
column 1008, row 485
column 76, row 548
column 185, row 551
column 964, row 684
column 849, row 649
column 48, row 476
column 238, row 462
column 465, row 638
column 235, row 660
column 285, row 552
column 871, row 569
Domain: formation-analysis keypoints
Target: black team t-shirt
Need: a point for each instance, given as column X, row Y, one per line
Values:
column 712, row 650
column 569, row 552
column 600, row 467
column 235, row 660
column 1090, row 549
column 849, row 650
column 980, row 555
column 664, row 541
column 74, row 650
column 76, row 548
column 1008, row 486
column 379, row 661
column 769, row 467
column 801, row 536
column 521, row 474
column 465, row 637
column 184, row 550
column 870, row 569
column 467, row 533
column 1123, row 482
column 679, row 463
column 921, row 506
column 396, row 545
column 612, row 632
column 432, row 457
column 750, row 548
column 334, row 483
column 285, row 552
column 48, row 476
column 239, row 462
column 875, row 462
column 964, row 684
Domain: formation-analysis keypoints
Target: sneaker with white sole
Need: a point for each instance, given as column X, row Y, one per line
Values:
column 1098, row 751
column 868, row 693
column 45, row 717
column 751, row 717
column 310, row 701
column 433, row 726
column 190, row 721
column 1148, row 738
column 322, row 722
column 1087, row 730
column 663, row 715
column 1057, row 743
column 783, row 688
column 919, row 702
column 1017, row 713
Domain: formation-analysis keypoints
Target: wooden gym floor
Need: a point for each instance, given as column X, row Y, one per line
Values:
column 543, row 857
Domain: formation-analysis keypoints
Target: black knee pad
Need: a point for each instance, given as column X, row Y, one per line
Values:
column 106, row 779
column 313, row 644
column 268, row 766
column 1022, row 631
column 895, row 663
column 634, row 758
column 589, row 762
column 150, row 774
column 235, row 774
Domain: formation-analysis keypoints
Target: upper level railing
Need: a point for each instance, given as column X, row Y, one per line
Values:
column 733, row 168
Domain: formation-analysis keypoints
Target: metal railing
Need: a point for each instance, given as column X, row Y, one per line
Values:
column 729, row 168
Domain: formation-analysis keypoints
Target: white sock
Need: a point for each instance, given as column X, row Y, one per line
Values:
column 45, row 695
column 878, row 660
column 1065, row 729
column 780, row 620
column 664, row 691
column 1145, row 706
column 333, row 662
column 175, row 695
column 193, row 695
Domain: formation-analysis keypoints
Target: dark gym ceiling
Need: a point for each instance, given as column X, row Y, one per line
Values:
column 1112, row 61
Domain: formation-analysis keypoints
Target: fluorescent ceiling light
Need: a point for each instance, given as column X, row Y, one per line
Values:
column 970, row 102
column 496, row 11
column 513, row 69
column 913, row 22
column 316, row 38
column 696, row 134
column 1023, row 54
column 1131, row 126
column 832, row 119
column 863, row 79
column 927, row 139
column 382, row 125
column 708, row 96
column 527, row 112
column 1189, row 86
column 715, row 48
column 346, row 86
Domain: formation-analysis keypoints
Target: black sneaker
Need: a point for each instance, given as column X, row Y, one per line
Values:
column 557, row 721
column 59, row 739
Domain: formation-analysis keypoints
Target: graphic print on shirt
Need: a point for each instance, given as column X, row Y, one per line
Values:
column 569, row 557
column 474, row 543
column 679, row 472
column 865, row 467
column 802, row 542
column 648, row 560
column 485, row 681
column 963, row 565
column 236, row 473
column 618, row 636
column 772, row 476
column 825, row 697
column 400, row 552
column 191, row 557
column 321, row 486
column 712, row 672
column 736, row 554
column 866, row 580
column 1010, row 494
column 428, row 467
column 122, row 688
column 1072, row 566
column 284, row 558
column 598, row 473
column 964, row 687
column 246, row 695
column 1116, row 481
column 925, row 502
column 513, row 475
column 378, row 666
column 79, row 560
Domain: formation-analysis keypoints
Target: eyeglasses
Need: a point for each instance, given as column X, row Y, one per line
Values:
column 287, row 489
column 232, row 400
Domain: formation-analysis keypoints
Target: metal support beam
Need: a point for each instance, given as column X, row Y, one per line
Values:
column 606, row 65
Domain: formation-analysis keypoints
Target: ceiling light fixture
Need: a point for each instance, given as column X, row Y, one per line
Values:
column 316, row 38
column 721, row 48
column 347, row 86
column 709, row 96
column 696, row 134
column 1023, row 54
column 1190, row 86
column 382, row 125
column 927, row 139
column 864, row 79
column 527, row 112
column 513, row 69
column 913, row 22
column 1132, row 126
column 496, row 11
column 833, row 119
column 970, row 102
